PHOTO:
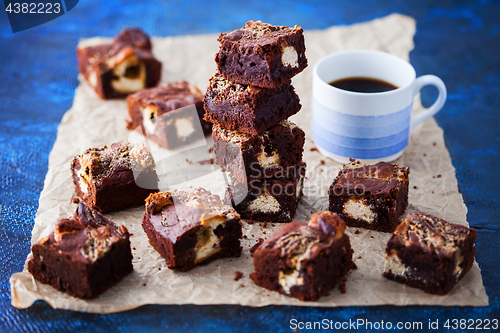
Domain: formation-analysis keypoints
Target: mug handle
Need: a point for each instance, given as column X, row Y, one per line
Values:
column 420, row 82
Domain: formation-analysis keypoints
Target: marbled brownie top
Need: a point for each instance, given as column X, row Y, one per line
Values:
column 430, row 233
column 104, row 161
column 297, row 238
column 87, row 236
column 257, row 32
column 168, row 97
column 209, row 205
column 375, row 178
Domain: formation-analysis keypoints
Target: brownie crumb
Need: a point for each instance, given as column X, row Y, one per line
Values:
column 320, row 170
column 432, row 192
column 438, row 176
column 254, row 248
column 322, row 162
column 313, row 149
column 210, row 150
column 359, row 257
column 244, row 236
column 357, row 232
column 242, row 285
column 371, row 236
column 144, row 284
column 425, row 154
column 133, row 248
column 342, row 287
column 209, row 161
column 237, row 275
column 434, row 143
column 250, row 221
column 76, row 200
column 415, row 187
column 188, row 161
column 265, row 224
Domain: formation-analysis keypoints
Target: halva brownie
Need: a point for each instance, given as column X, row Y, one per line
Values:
column 305, row 261
column 261, row 55
column 84, row 256
column 118, row 69
column 429, row 253
column 191, row 228
column 163, row 114
column 265, row 155
column 371, row 196
column 113, row 177
column 272, row 199
column 248, row 109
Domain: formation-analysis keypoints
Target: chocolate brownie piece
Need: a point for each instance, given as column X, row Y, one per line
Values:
column 113, row 177
column 371, row 196
column 265, row 155
column 248, row 109
column 118, row 69
column 261, row 55
column 163, row 114
column 84, row 256
column 268, row 199
column 191, row 228
column 305, row 261
column 429, row 253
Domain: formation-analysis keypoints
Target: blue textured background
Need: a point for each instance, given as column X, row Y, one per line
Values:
column 456, row 40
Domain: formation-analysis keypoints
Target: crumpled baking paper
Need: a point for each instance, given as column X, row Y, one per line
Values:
column 92, row 122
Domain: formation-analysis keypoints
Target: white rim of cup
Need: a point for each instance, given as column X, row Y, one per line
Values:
column 378, row 53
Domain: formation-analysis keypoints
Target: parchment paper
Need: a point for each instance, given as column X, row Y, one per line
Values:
column 91, row 122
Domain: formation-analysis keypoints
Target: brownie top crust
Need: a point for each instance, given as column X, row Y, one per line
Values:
column 168, row 97
column 176, row 212
column 257, row 32
column 135, row 37
column 376, row 178
column 86, row 236
column 239, row 137
column 105, row 160
column 430, row 233
column 296, row 237
column 208, row 205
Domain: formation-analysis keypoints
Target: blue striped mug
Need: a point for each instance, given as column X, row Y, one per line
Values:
column 368, row 126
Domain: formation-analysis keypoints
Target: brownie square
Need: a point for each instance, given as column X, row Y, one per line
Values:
column 164, row 115
column 268, row 199
column 118, row 69
column 371, row 196
column 429, row 253
column 84, row 256
column 191, row 228
column 113, row 177
column 261, row 55
column 305, row 261
column 248, row 109
column 265, row 155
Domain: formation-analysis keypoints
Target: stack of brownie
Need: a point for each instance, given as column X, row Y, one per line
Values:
column 248, row 101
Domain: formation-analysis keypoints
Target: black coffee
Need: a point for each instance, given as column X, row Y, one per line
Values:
column 363, row 85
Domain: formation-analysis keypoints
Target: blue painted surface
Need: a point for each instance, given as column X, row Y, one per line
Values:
column 458, row 41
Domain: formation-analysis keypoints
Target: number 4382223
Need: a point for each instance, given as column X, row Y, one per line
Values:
column 34, row 8
column 472, row 324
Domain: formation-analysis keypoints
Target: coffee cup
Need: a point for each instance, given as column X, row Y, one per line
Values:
column 371, row 126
